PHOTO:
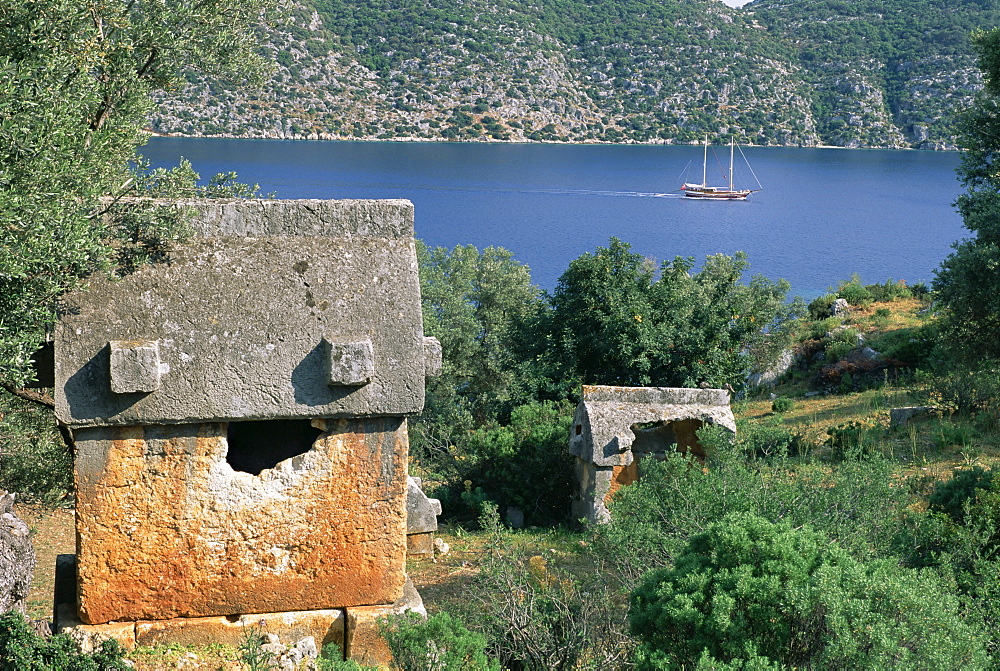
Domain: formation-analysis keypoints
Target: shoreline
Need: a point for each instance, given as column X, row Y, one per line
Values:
column 431, row 140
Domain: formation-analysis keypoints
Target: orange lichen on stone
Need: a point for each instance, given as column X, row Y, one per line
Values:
column 166, row 528
column 420, row 544
column 621, row 476
column 364, row 642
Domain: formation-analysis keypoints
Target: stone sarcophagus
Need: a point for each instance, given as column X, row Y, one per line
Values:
column 239, row 415
column 615, row 427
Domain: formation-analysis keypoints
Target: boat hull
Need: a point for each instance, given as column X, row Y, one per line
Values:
column 717, row 194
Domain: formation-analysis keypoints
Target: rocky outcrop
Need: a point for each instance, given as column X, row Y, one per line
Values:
column 504, row 76
column 17, row 557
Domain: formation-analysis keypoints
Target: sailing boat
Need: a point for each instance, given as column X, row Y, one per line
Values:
column 706, row 192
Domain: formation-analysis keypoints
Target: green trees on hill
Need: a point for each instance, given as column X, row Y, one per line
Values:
column 614, row 318
column 75, row 81
column 866, row 73
column 967, row 281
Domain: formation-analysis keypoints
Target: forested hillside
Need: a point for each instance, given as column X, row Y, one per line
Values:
column 865, row 73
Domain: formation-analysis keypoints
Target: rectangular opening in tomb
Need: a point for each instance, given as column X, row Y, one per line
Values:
column 663, row 436
column 257, row 446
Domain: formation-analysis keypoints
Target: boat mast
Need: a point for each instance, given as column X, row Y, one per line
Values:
column 704, row 165
column 732, row 144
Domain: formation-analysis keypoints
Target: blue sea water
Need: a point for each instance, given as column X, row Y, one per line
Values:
column 823, row 214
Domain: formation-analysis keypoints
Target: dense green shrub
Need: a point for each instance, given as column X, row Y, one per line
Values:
column 950, row 496
column 960, row 537
column 439, row 643
column 782, row 404
column 747, row 588
column 764, row 439
column 524, row 464
column 21, row 649
column 819, row 308
column 819, row 329
column 968, row 390
column 855, row 293
column 854, row 438
column 913, row 347
column 889, row 290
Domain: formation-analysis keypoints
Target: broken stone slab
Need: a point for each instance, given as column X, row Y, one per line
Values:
column 902, row 416
column 615, row 426
column 17, row 557
column 421, row 512
column 602, row 427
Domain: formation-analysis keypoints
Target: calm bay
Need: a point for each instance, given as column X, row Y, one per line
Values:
column 823, row 214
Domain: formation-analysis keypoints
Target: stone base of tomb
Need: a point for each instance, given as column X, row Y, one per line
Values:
column 355, row 629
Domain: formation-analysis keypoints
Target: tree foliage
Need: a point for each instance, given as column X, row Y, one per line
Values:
column 748, row 590
column 75, row 81
column 967, row 282
column 476, row 304
column 613, row 321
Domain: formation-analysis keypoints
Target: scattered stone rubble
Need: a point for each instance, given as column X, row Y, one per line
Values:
column 421, row 520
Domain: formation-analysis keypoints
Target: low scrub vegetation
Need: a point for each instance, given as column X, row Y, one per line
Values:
column 820, row 536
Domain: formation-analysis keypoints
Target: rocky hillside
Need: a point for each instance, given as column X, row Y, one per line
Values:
column 861, row 73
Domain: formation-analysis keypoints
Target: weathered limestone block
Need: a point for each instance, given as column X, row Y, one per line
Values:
column 421, row 512
column 365, row 644
column 349, row 364
column 420, row 545
column 421, row 519
column 280, row 309
column 324, row 626
column 167, row 528
column 17, row 557
column 363, row 641
column 433, row 356
column 602, row 433
column 88, row 637
column 135, row 366
column 615, row 426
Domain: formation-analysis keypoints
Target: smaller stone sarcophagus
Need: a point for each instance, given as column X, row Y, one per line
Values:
column 239, row 415
column 615, row 427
